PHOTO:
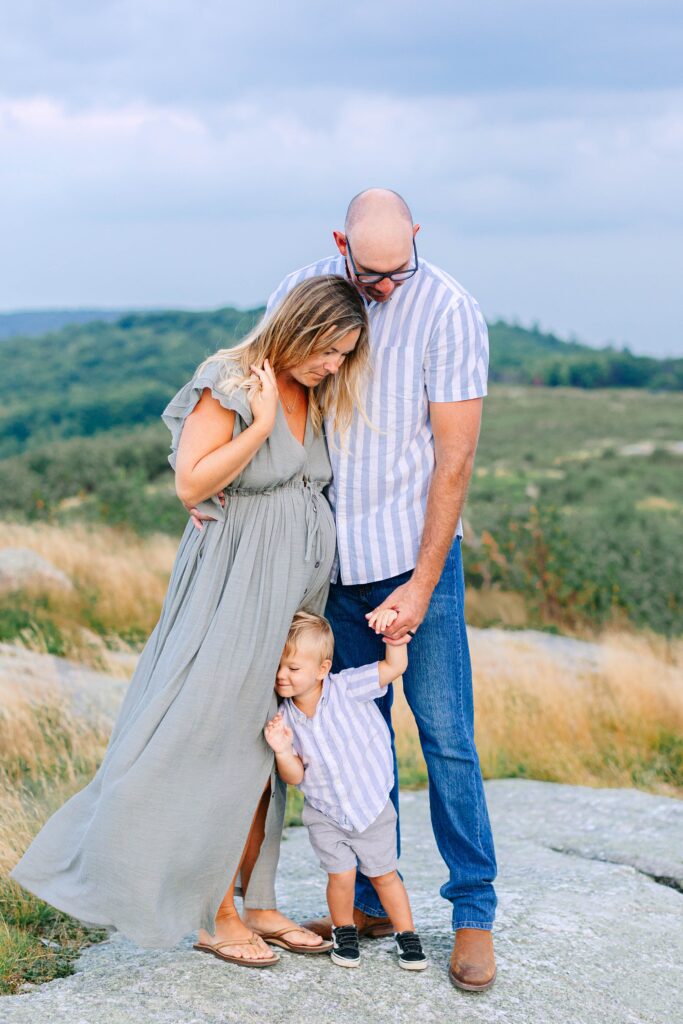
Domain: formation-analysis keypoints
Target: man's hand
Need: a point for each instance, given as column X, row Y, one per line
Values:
column 278, row 735
column 411, row 602
column 198, row 517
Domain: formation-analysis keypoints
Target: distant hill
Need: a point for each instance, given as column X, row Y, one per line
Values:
column 31, row 322
column 528, row 356
column 86, row 379
column 91, row 378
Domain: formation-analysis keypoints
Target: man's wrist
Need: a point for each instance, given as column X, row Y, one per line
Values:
column 424, row 580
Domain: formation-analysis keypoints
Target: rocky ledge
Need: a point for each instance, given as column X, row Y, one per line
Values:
column 589, row 931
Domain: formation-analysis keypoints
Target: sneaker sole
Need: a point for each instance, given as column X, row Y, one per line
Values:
column 341, row 961
column 413, row 967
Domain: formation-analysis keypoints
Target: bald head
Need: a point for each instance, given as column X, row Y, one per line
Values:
column 378, row 207
column 377, row 239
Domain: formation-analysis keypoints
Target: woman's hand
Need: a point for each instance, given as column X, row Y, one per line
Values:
column 263, row 397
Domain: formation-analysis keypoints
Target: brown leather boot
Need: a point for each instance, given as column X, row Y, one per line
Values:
column 473, row 963
column 368, row 927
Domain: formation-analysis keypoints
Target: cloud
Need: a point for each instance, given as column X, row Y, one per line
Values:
column 484, row 163
column 118, row 51
column 155, row 151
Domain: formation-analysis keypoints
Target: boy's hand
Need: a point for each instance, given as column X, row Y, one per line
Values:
column 278, row 736
column 381, row 618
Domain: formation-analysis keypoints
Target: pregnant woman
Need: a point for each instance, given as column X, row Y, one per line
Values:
column 186, row 804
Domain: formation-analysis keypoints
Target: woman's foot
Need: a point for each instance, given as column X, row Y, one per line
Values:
column 232, row 929
column 266, row 922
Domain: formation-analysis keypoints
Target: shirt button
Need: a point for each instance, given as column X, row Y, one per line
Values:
column 317, row 565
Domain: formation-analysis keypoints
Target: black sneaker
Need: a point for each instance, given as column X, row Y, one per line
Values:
column 410, row 955
column 346, row 952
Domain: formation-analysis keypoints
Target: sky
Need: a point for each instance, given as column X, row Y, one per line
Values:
column 166, row 153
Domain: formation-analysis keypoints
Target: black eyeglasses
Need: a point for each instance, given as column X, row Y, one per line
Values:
column 395, row 275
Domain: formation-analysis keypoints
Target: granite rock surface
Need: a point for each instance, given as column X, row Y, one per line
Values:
column 589, row 931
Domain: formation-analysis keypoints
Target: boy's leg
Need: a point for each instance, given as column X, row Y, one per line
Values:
column 438, row 687
column 356, row 644
column 394, row 898
column 340, row 890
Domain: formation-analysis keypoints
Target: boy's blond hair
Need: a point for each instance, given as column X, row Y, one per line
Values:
column 311, row 629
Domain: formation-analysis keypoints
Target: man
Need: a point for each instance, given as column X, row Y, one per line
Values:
column 397, row 494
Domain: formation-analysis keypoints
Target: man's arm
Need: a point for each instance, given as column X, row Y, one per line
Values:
column 455, row 426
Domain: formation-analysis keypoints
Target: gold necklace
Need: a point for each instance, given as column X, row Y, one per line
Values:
column 289, row 408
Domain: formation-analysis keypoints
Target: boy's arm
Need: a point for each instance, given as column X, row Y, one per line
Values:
column 394, row 664
column 368, row 682
column 395, row 660
column 279, row 737
column 290, row 767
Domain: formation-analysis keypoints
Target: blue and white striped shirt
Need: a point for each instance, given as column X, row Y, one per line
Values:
column 345, row 748
column 429, row 343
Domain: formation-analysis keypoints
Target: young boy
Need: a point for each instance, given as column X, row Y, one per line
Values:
column 331, row 741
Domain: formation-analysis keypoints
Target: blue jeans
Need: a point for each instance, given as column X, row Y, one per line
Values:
column 438, row 687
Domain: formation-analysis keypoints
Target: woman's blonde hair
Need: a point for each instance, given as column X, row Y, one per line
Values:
column 311, row 318
column 313, row 629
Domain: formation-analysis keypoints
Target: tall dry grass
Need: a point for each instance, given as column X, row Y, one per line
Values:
column 47, row 755
column 613, row 719
column 41, row 739
column 618, row 722
column 119, row 584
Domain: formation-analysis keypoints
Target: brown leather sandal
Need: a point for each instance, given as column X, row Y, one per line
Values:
column 215, row 950
column 278, row 939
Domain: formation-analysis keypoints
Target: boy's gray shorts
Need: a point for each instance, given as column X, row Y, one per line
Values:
column 338, row 849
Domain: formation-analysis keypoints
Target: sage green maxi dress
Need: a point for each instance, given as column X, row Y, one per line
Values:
column 152, row 843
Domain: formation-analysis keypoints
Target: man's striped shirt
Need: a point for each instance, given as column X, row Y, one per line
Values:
column 345, row 748
column 429, row 343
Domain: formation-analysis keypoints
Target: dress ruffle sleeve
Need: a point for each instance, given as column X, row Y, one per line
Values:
column 182, row 404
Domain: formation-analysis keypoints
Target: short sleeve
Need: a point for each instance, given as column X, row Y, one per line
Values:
column 320, row 268
column 361, row 684
column 288, row 718
column 181, row 405
column 278, row 295
column 457, row 357
column 285, row 287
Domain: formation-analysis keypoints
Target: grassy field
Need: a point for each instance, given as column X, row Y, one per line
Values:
column 46, row 758
column 619, row 723
column 576, row 507
column 538, row 716
column 574, row 524
column 574, row 518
